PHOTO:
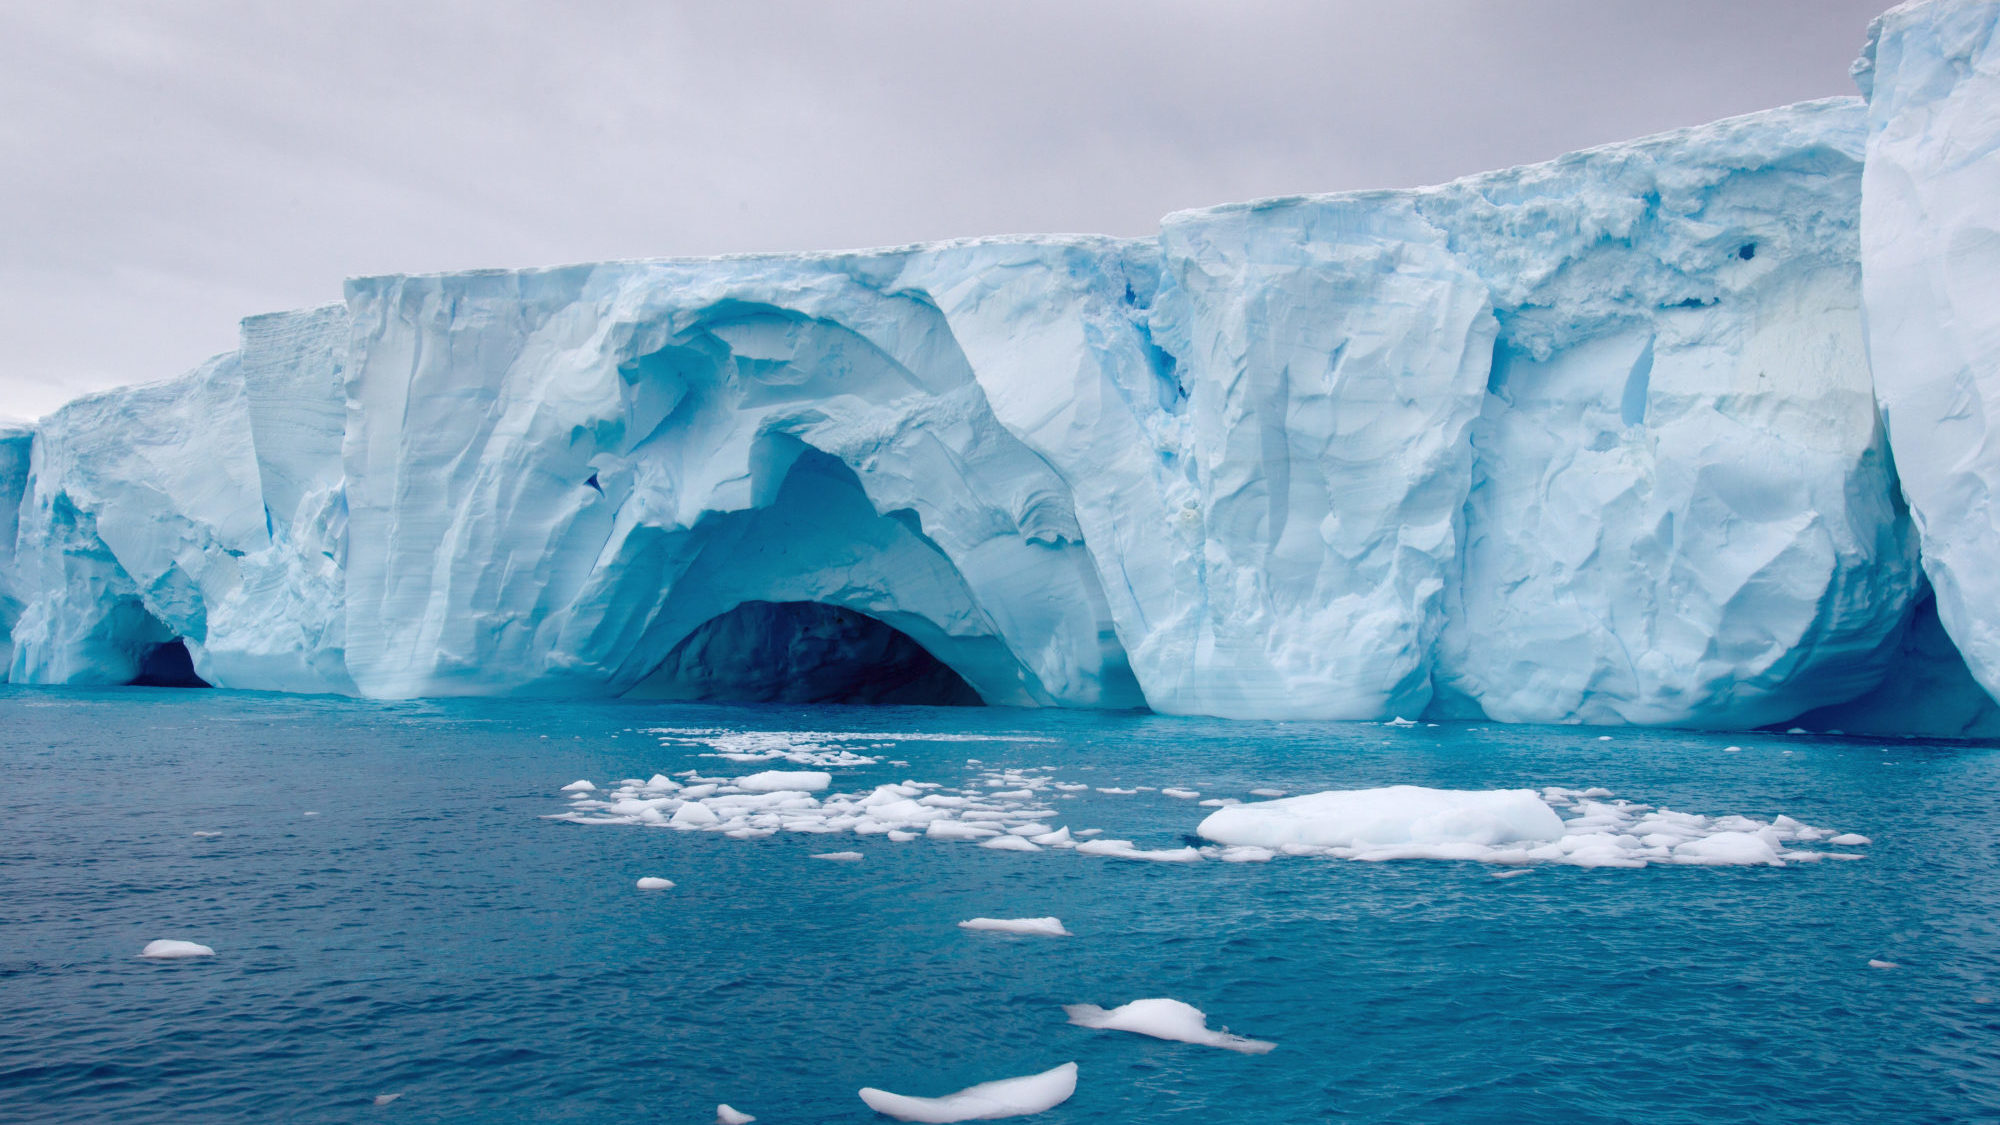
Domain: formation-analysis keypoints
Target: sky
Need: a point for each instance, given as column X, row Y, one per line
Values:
column 169, row 168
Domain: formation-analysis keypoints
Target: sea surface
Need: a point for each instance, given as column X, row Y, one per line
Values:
column 395, row 917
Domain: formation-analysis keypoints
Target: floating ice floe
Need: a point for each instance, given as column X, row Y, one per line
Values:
column 1183, row 794
column 580, row 785
column 385, row 1099
column 1163, row 1018
column 785, row 781
column 1874, row 964
column 1039, row 927
column 206, row 835
column 1006, row 1097
column 726, row 1114
column 839, row 857
column 1509, row 826
column 1126, row 849
column 655, row 883
column 1011, row 810
column 807, row 748
column 167, row 949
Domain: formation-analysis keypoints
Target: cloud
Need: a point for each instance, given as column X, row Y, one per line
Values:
column 175, row 167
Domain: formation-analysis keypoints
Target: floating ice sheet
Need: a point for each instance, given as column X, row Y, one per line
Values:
column 168, row 949
column 1007, row 1097
column 1163, row 1018
column 1039, row 927
column 1017, row 809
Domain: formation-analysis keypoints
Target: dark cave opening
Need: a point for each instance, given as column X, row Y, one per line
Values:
column 804, row 652
column 168, row 665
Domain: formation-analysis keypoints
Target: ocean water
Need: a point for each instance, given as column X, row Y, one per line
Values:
column 393, row 913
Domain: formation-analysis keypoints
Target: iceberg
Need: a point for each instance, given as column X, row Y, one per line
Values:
column 1930, row 257
column 1595, row 440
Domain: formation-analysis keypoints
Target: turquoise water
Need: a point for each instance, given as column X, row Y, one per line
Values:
column 429, row 934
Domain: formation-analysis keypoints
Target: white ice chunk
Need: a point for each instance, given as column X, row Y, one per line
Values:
column 579, row 786
column 1851, row 840
column 1729, row 849
column 168, row 949
column 1041, row 927
column 840, row 857
column 774, row 781
column 655, row 883
column 1398, row 814
column 1267, row 792
column 1183, row 794
column 1126, row 849
column 726, row 1114
column 1006, row 843
column 1875, row 964
column 1162, row 1018
column 1007, row 1097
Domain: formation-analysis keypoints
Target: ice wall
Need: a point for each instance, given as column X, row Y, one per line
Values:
column 1587, row 441
column 1682, row 508
column 1930, row 252
column 15, row 442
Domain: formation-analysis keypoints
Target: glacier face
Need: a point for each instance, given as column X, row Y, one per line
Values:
column 1930, row 251
column 1588, row 441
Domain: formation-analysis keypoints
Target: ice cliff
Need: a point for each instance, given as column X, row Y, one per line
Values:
column 1594, row 440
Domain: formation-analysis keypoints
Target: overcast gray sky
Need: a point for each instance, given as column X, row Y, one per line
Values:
column 171, row 167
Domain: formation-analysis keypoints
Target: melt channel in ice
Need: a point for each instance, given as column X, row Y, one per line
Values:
column 1006, row 1097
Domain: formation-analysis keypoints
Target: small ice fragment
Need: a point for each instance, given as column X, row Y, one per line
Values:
column 1125, row 849
column 1220, row 802
column 1009, row 844
column 901, row 837
column 311, row 812
column 1797, row 730
column 579, row 786
column 954, row 830
column 167, row 949
column 1118, row 792
column 1057, row 839
column 385, row 1099
column 774, row 781
column 1007, row 1097
column 1603, row 738
column 206, row 835
column 1510, row 874
column 840, row 857
column 1851, row 840
column 655, row 883
column 1040, row 927
column 1400, row 721
column 1183, row 794
column 726, row 1114
column 1247, row 853
column 1874, row 964
column 1162, row 1018
column 1267, row 792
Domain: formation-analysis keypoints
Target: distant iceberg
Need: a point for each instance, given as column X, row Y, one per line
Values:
column 1598, row 440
